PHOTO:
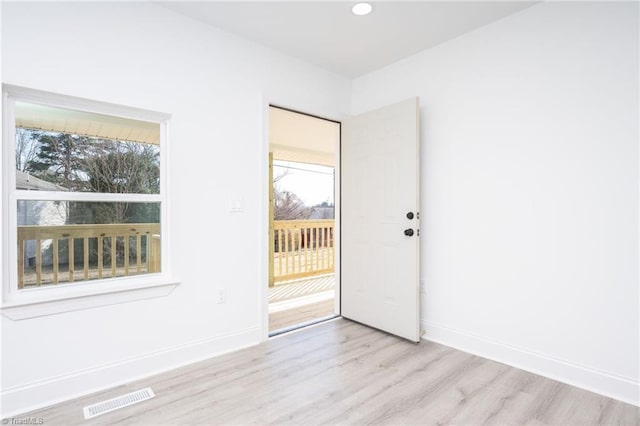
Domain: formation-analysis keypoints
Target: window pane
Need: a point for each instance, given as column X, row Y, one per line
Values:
column 65, row 150
column 70, row 241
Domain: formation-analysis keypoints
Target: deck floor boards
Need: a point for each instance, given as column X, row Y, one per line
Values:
column 300, row 299
column 301, row 314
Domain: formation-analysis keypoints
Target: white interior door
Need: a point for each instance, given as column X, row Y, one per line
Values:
column 380, row 188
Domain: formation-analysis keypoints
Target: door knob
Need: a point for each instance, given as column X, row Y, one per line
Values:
column 410, row 215
column 408, row 232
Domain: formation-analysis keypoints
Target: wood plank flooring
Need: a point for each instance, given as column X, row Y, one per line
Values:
column 344, row 373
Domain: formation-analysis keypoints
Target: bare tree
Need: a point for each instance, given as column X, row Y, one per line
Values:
column 121, row 168
column 26, row 148
column 288, row 206
column 278, row 178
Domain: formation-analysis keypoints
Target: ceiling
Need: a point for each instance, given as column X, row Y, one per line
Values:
column 302, row 138
column 42, row 117
column 327, row 34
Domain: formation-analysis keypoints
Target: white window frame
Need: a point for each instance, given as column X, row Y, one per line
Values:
column 26, row 303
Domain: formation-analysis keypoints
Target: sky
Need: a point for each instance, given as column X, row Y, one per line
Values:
column 313, row 184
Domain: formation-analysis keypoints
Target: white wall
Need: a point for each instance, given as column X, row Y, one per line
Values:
column 530, row 190
column 530, row 187
column 145, row 56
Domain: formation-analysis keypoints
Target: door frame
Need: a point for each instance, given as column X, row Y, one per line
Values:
column 264, row 185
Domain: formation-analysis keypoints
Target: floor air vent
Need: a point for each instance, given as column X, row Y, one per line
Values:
column 117, row 403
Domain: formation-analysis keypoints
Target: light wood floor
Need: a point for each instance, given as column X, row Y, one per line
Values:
column 343, row 373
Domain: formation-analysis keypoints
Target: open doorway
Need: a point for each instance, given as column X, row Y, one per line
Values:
column 302, row 220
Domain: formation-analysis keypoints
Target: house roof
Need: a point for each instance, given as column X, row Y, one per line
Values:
column 27, row 182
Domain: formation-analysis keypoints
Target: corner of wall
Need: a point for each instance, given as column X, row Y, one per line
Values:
column 621, row 388
column 43, row 393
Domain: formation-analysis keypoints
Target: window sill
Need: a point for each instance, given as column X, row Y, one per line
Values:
column 30, row 308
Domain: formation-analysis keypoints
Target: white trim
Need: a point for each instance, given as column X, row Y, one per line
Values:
column 263, row 220
column 7, row 151
column 88, row 105
column 67, row 295
column 625, row 389
column 263, row 173
column 77, row 289
column 165, row 230
column 52, row 390
column 93, row 299
column 337, row 238
column 84, row 196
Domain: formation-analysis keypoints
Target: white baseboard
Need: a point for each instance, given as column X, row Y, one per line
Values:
column 621, row 388
column 24, row 398
column 21, row 399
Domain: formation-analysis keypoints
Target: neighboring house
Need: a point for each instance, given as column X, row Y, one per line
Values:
column 39, row 213
column 322, row 213
column 31, row 183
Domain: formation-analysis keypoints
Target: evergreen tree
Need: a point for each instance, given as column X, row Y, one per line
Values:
column 81, row 163
column 59, row 160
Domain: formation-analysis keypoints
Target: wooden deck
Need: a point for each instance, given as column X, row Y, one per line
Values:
column 300, row 301
column 104, row 251
column 302, row 248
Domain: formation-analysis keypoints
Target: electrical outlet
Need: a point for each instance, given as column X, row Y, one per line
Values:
column 221, row 296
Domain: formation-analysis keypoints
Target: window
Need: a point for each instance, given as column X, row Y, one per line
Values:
column 85, row 185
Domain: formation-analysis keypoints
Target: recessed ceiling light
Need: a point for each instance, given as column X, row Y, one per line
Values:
column 361, row 9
